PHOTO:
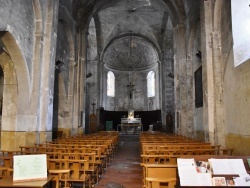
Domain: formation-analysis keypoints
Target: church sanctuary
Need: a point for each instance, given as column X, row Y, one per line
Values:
column 124, row 93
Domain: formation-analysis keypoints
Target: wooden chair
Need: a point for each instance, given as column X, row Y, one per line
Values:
column 160, row 175
column 78, row 173
column 59, row 170
column 92, row 168
column 6, row 161
column 3, row 172
column 161, row 182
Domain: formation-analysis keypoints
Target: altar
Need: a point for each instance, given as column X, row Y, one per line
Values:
column 130, row 125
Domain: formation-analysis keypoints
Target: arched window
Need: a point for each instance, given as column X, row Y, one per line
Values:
column 111, row 84
column 151, row 84
column 241, row 30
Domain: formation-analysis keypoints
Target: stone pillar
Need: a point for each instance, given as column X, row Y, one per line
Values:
column 208, row 70
column 36, row 71
column 81, row 76
column 78, row 110
column 180, row 77
column 45, row 111
column 93, row 90
column 218, row 91
column 190, row 97
column 167, row 89
column 162, row 92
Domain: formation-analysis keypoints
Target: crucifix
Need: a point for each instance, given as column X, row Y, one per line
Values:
column 93, row 106
column 130, row 87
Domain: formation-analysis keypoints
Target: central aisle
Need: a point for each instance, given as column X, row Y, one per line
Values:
column 124, row 169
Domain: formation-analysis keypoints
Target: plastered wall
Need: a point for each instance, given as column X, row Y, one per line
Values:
column 236, row 92
column 237, row 105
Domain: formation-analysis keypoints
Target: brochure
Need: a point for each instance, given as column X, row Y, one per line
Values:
column 228, row 166
column 243, row 180
column 219, row 181
column 203, row 167
column 192, row 175
column 199, row 173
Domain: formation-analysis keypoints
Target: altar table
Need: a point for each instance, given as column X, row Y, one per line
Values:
column 135, row 127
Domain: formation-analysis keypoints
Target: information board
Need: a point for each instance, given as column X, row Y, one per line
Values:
column 29, row 167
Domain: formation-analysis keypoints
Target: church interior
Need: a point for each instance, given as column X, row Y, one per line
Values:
column 83, row 67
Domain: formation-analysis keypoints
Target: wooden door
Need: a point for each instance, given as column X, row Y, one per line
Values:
column 92, row 123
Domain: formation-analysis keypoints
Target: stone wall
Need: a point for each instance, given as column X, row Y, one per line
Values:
column 140, row 101
column 29, row 36
column 237, row 97
column 17, row 17
column 235, row 91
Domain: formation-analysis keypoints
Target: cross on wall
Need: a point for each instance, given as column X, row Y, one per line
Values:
column 130, row 86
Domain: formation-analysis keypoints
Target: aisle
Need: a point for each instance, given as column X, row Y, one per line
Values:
column 124, row 171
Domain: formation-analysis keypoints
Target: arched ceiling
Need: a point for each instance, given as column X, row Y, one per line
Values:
column 130, row 53
column 153, row 20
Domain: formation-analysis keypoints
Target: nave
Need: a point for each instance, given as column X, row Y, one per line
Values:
column 109, row 159
column 124, row 169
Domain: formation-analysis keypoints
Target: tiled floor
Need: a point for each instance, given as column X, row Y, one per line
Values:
column 124, row 171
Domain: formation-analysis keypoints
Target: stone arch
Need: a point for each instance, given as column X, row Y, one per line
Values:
column 176, row 10
column 20, row 68
column 9, row 102
column 16, row 88
column 146, row 39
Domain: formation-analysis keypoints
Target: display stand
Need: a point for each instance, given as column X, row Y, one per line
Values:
column 225, row 171
column 28, row 171
column 29, row 167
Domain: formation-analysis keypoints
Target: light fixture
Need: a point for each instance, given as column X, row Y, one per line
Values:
column 88, row 75
column 171, row 75
column 198, row 54
column 59, row 63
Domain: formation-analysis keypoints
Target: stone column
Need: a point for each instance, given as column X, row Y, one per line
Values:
column 208, row 70
column 162, row 93
column 93, row 90
column 81, row 80
column 180, row 77
column 218, row 91
column 190, row 96
column 46, row 92
column 36, row 71
column 76, row 112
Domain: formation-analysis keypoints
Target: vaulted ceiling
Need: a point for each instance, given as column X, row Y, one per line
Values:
column 132, row 34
